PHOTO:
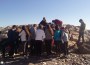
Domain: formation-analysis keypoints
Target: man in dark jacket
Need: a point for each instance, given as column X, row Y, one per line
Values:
column 81, row 30
column 43, row 22
column 12, row 37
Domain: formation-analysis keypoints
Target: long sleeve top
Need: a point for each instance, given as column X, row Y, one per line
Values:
column 23, row 35
column 40, row 35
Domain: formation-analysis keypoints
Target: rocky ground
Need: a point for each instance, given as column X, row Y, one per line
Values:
column 78, row 55
column 72, row 59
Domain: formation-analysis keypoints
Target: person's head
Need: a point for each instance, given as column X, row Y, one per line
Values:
column 23, row 27
column 80, row 20
column 18, row 29
column 57, row 27
column 44, row 18
column 66, row 30
column 27, row 27
column 62, row 28
column 52, row 26
column 35, row 25
column 14, row 27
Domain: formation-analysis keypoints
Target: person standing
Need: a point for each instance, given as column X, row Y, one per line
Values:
column 65, row 40
column 23, row 38
column 32, row 42
column 57, row 39
column 12, row 37
column 48, row 40
column 40, row 36
column 81, row 31
column 28, row 37
column 17, row 41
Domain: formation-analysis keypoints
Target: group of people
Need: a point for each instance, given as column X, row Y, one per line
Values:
column 32, row 38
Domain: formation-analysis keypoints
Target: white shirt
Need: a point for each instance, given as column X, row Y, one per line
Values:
column 40, row 35
column 64, row 37
column 23, row 35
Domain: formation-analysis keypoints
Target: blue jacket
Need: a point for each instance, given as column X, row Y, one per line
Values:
column 57, row 35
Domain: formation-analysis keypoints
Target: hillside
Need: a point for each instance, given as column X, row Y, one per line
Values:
column 79, row 53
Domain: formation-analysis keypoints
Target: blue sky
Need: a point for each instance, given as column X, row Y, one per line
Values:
column 32, row 11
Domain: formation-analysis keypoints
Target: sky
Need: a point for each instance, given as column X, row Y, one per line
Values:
column 21, row 12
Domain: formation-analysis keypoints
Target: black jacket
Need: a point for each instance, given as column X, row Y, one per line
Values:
column 12, row 35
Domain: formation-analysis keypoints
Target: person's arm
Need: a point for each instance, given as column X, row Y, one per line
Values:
column 43, row 33
column 20, row 33
column 62, row 37
column 51, row 31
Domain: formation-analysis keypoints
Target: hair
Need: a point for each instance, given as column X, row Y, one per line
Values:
column 34, row 25
column 44, row 18
column 28, row 27
column 14, row 26
column 80, row 20
column 27, row 30
column 23, row 27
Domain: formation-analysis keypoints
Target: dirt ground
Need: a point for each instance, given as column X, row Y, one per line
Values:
column 72, row 59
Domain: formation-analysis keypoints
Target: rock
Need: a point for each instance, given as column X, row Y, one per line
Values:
column 30, row 64
column 44, row 63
